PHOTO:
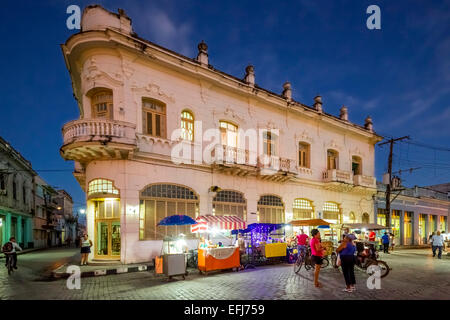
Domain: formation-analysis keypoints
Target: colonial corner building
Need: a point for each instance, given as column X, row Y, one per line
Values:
column 133, row 95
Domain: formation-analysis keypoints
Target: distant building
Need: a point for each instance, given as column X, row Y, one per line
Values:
column 45, row 219
column 16, row 196
column 415, row 213
column 66, row 226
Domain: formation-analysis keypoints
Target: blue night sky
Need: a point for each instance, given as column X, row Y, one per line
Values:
column 399, row 75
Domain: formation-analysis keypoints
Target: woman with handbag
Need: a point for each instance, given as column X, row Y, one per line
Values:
column 346, row 259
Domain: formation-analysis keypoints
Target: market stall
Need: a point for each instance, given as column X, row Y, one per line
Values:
column 172, row 262
column 263, row 241
column 216, row 256
column 362, row 230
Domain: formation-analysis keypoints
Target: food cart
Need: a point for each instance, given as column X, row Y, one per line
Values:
column 173, row 258
column 361, row 229
column 264, row 241
column 212, row 256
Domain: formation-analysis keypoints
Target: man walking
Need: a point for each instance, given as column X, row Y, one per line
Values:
column 437, row 243
column 385, row 240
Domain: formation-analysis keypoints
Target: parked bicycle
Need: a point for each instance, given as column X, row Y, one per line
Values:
column 304, row 259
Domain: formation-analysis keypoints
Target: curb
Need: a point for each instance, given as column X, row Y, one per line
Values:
column 103, row 272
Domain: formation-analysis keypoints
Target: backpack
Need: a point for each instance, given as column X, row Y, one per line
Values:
column 7, row 247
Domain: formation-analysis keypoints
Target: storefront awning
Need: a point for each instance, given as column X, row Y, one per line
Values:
column 208, row 222
column 309, row 222
column 368, row 226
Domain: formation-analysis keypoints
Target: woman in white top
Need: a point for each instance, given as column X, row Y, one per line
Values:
column 85, row 245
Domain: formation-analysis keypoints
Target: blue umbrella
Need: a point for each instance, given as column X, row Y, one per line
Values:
column 176, row 220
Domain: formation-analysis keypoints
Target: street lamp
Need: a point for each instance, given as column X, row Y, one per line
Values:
column 82, row 211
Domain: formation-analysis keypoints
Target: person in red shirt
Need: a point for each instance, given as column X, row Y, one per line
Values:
column 302, row 240
column 372, row 235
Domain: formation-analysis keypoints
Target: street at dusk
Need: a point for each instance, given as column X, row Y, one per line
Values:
column 229, row 159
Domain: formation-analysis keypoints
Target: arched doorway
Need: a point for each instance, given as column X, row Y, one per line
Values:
column 365, row 218
column 105, row 198
column 270, row 209
column 230, row 203
column 161, row 200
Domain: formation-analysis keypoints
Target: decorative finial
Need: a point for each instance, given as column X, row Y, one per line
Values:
column 318, row 103
column 202, row 56
column 287, row 91
column 344, row 113
column 368, row 123
column 250, row 75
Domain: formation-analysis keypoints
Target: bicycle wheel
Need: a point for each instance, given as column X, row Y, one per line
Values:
column 325, row 262
column 10, row 267
column 308, row 263
column 298, row 264
column 384, row 268
column 334, row 260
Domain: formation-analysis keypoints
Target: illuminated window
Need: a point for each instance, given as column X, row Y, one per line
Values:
column 102, row 186
column 228, row 134
column 331, row 212
column 162, row 200
column 302, row 209
column 187, row 126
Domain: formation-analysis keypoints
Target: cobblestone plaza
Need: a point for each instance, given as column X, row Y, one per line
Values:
column 414, row 275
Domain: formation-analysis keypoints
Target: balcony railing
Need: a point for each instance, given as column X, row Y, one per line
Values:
column 98, row 129
column 335, row 175
column 364, row 181
column 230, row 155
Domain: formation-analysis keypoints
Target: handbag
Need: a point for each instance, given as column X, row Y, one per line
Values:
column 338, row 261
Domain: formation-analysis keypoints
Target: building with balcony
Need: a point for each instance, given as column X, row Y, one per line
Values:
column 16, row 196
column 160, row 133
column 415, row 213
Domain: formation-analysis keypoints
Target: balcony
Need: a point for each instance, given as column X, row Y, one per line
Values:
column 341, row 176
column 97, row 139
column 233, row 160
column 364, row 181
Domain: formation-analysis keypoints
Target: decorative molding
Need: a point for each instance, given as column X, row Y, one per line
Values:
column 332, row 144
column 93, row 74
column 229, row 114
column 356, row 151
column 154, row 91
column 304, row 136
column 155, row 140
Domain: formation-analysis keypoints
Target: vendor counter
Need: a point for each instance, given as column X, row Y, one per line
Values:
column 270, row 250
column 221, row 258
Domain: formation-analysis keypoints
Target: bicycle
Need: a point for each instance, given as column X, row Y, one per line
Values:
column 305, row 258
column 9, row 263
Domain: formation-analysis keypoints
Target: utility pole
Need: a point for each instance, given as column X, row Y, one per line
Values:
column 389, row 185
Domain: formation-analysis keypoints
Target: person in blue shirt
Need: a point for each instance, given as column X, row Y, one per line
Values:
column 385, row 240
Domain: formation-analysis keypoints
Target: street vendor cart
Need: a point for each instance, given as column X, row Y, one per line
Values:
column 172, row 262
column 214, row 256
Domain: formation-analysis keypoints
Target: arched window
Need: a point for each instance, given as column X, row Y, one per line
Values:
column 302, row 209
column 228, row 134
column 187, row 125
column 356, row 165
column 230, row 203
column 102, row 187
column 303, row 155
column 331, row 212
column 158, row 201
column 154, row 117
column 102, row 103
column 365, row 217
column 352, row 217
column 270, row 209
column 332, row 159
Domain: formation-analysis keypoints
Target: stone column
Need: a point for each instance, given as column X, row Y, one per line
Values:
column 8, row 226
column 19, row 232
column 416, row 235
